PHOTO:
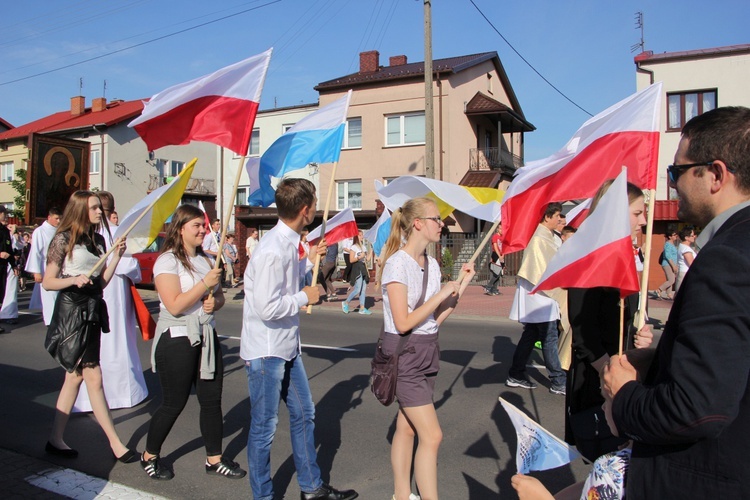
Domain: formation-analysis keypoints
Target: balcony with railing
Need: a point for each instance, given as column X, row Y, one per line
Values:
column 493, row 159
column 194, row 185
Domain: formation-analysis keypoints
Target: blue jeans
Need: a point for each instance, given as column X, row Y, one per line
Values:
column 547, row 333
column 269, row 381
column 359, row 288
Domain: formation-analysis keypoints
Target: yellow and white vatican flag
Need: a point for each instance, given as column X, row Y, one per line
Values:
column 482, row 203
column 142, row 224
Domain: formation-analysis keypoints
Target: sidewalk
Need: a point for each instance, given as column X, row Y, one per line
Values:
column 474, row 303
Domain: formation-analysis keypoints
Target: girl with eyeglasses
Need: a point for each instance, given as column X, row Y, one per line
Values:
column 413, row 227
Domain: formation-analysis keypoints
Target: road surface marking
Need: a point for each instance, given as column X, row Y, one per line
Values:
column 306, row 346
column 74, row 484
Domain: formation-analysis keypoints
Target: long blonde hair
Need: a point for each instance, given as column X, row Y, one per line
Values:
column 402, row 223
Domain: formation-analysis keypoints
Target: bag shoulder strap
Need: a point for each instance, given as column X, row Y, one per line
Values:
column 425, row 274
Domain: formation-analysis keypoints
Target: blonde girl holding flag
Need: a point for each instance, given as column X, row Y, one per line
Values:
column 417, row 223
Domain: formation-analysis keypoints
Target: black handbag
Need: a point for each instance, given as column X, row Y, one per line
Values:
column 77, row 316
column 384, row 371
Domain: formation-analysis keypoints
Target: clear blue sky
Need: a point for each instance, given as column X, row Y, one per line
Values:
column 582, row 47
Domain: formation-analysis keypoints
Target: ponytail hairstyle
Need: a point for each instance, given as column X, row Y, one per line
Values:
column 402, row 224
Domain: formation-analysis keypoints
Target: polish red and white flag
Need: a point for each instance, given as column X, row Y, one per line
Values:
column 601, row 252
column 339, row 227
column 624, row 135
column 219, row 108
column 579, row 213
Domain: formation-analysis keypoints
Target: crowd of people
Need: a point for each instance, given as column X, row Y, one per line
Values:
column 663, row 419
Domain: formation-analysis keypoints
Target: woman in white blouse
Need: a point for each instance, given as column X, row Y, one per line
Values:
column 186, row 350
column 73, row 252
column 418, row 223
column 685, row 254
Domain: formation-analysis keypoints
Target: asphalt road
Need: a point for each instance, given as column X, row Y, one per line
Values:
column 353, row 430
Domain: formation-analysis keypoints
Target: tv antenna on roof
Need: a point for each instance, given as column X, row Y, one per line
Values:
column 104, row 90
column 639, row 25
column 80, row 85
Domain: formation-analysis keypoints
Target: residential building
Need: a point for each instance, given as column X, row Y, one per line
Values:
column 119, row 160
column 694, row 81
column 479, row 128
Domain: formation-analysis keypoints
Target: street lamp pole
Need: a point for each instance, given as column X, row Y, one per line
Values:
column 429, row 114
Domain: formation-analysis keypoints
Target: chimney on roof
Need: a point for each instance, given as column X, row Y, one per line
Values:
column 397, row 60
column 369, row 62
column 77, row 105
column 98, row 104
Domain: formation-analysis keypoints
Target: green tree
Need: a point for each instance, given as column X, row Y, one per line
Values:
column 19, row 184
column 447, row 265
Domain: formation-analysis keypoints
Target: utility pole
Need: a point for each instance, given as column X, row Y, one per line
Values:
column 429, row 114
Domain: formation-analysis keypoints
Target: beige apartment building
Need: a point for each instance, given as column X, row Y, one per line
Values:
column 479, row 128
column 694, row 81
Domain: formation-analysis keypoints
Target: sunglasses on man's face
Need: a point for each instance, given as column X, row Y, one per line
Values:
column 675, row 171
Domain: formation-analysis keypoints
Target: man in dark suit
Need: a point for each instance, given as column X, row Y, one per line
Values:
column 690, row 416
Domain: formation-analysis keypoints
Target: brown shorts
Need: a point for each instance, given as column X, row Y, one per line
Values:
column 418, row 367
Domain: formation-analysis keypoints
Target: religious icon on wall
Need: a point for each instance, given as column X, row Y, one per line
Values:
column 57, row 168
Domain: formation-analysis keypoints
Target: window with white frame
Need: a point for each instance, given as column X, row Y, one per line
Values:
column 683, row 106
column 176, row 167
column 285, row 128
column 401, row 130
column 349, row 194
column 94, row 161
column 242, row 195
column 353, row 133
column 255, row 143
column 388, row 180
column 6, row 171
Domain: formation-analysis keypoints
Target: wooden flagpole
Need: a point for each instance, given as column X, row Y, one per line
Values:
column 484, row 242
column 640, row 316
column 331, row 185
column 622, row 323
column 225, row 222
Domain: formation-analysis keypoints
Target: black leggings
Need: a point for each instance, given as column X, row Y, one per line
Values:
column 178, row 367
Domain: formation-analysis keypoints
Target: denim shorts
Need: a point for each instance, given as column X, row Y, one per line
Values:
column 418, row 367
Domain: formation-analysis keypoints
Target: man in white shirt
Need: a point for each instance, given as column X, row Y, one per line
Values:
column 210, row 241
column 252, row 241
column 40, row 238
column 270, row 345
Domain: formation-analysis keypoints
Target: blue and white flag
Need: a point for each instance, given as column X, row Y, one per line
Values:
column 538, row 449
column 378, row 234
column 317, row 138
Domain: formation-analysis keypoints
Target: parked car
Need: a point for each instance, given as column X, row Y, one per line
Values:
column 147, row 258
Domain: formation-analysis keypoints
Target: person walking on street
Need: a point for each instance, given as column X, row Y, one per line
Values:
column 270, row 346
column 73, row 252
column 186, row 352
column 540, row 312
column 414, row 304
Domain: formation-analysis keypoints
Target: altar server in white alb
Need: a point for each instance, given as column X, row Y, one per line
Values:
column 40, row 238
column 9, row 309
column 122, row 373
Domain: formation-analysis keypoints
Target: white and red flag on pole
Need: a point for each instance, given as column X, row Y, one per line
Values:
column 219, row 108
column 579, row 213
column 624, row 135
column 339, row 227
column 601, row 252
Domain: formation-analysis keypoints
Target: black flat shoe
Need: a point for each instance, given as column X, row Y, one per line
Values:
column 128, row 457
column 327, row 492
column 60, row 452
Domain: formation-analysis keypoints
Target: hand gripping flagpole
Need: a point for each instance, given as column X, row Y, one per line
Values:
column 331, row 185
column 481, row 246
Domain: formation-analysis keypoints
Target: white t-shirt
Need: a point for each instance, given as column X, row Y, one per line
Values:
column 401, row 268
column 250, row 244
column 682, row 265
column 167, row 263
